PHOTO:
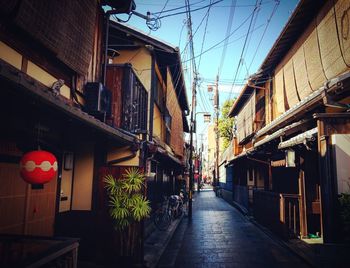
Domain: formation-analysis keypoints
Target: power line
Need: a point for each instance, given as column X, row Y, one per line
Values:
column 262, row 36
column 173, row 9
column 250, row 38
column 244, row 45
column 204, row 34
column 228, row 30
column 183, row 12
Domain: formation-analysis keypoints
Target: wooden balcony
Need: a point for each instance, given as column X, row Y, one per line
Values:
column 129, row 99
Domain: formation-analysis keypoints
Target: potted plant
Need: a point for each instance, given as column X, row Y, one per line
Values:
column 128, row 206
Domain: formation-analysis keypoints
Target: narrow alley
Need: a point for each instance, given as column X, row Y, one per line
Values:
column 220, row 236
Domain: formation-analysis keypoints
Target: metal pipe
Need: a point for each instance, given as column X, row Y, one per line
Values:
column 108, row 14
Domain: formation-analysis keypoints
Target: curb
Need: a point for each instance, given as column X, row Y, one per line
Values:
column 156, row 243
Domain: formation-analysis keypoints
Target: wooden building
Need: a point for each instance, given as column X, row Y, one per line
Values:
column 154, row 66
column 292, row 139
column 56, row 95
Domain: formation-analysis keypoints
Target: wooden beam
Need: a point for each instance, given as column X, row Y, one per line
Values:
column 302, row 205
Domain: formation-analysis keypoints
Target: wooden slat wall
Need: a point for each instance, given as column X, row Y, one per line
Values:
column 12, row 199
column 23, row 210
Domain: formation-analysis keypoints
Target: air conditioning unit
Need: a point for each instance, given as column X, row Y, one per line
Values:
column 98, row 99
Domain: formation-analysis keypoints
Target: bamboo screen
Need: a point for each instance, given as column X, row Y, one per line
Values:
column 279, row 93
column 246, row 118
column 290, row 85
column 172, row 103
column 323, row 55
column 313, row 61
column 301, row 75
column 64, row 27
column 333, row 63
column 342, row 13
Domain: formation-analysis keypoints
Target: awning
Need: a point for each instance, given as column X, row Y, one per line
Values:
column 299, row 139
column 29, row 85
column 162, row 154
column 278, row 133
column 229, row 161
column 168, row 156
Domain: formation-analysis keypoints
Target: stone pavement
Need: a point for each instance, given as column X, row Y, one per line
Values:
column 220, row 236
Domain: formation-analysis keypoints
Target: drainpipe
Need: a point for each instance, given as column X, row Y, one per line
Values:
column 153, row 85
column 108, row 14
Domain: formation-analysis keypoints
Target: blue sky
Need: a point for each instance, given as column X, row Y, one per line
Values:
column 213, row 30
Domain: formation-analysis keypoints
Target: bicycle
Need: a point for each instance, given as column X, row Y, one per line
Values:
column 171, row 208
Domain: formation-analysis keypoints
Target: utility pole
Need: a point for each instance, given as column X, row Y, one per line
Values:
column 191, row 147
column 193, row 108
column 200, row 167
column 216, row 108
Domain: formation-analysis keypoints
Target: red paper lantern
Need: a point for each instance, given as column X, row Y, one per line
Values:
column 38, row 167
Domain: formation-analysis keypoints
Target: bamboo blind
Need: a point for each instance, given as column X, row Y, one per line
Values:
column 342, row 8
column 301, row 75
column 279, row 96
column 332, row 60
column 289, row 82
column 323, row 55
column 313, row 61
column 245, row 119
column 64, row 27
column 172, row 103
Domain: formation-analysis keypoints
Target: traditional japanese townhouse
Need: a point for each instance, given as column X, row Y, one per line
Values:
column 152, row 67
column 292, row 139
column 53, row 98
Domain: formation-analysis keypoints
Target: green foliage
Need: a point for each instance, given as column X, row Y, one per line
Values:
column 226, row 123
column 344, row 201
column 126, row 202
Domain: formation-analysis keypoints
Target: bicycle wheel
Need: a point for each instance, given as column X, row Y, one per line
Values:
column 162, row 220
column 179, row 211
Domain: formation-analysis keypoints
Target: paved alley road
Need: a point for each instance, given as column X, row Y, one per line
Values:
column 219, row 236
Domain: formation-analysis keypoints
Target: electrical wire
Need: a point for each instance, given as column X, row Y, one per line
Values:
column 244, row 45
column 228, row 30
column 173, row 9
column 205, row 33
column 250, row 34
column 183, row 12
column 264, row 32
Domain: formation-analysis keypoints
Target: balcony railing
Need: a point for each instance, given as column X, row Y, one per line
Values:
column 278, row 212
column 289, row 213
column 129, row 99
column 32, row 251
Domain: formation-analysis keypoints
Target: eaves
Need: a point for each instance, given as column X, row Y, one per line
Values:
column 44, row 94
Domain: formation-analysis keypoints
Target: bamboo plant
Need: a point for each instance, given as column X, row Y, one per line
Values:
column 128, row 207
column 127, row 204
